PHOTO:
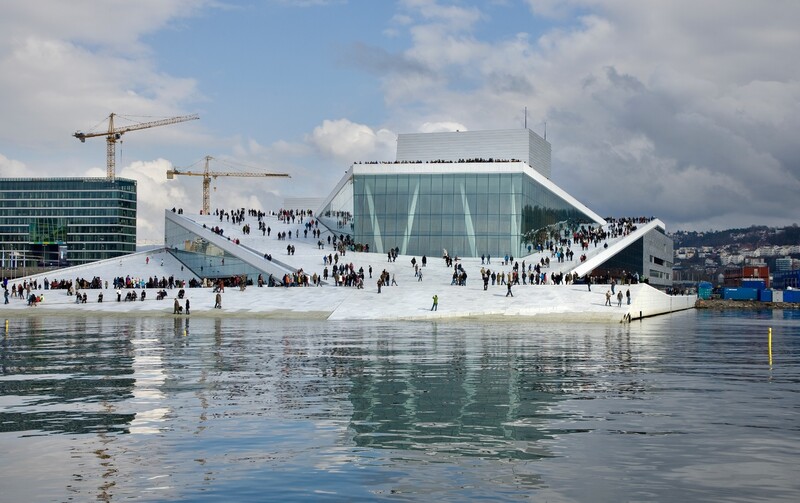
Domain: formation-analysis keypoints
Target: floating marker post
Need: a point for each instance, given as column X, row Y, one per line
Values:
column 6, row 327
column 769, row 346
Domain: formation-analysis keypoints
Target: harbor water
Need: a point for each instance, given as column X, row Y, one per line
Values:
column 683, row 407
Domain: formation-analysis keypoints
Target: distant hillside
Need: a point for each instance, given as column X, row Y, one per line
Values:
column 755, row 236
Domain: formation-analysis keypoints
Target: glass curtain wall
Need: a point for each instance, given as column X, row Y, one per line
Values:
column 338, row 214
column 52, row 220
column 204, row 258
column 462, row 214
column 545, row 216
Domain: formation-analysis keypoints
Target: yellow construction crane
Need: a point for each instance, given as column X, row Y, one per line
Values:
column 115, row 133
column 208, row 175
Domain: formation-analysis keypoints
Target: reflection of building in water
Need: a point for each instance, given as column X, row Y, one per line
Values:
column 72, row 378
column 148, row 371
column 491, row 407
column 55, row 402
column 496, row 400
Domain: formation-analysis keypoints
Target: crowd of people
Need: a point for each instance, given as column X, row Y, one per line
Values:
column 336, row 272
column 440, row 161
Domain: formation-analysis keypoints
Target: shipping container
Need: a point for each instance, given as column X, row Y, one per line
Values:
column 777, row 296
column 791, row 295
column 765, row 295
column 704, row 290
column 758, row 284
column 740, row 294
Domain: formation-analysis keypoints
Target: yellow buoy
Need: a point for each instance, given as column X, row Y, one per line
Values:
column 769, row 346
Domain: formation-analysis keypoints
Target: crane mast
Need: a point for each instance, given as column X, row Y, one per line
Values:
column 115, row 133
column 207, row 175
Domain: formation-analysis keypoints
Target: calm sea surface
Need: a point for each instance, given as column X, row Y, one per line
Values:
column 678, row 408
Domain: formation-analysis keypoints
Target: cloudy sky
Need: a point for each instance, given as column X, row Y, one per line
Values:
column 685, row 110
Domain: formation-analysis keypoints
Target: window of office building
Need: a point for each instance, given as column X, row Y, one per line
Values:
column 61, row 221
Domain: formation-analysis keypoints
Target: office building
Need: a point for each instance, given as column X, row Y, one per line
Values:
column 65, row 221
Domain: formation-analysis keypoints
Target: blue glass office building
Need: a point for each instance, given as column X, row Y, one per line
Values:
column 60, row 221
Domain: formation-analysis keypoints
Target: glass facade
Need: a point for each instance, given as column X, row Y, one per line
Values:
column 466, row 214
column 628, row 260
column 650, row 256
column 203, row 257
column 338, row 214
column 60, row 221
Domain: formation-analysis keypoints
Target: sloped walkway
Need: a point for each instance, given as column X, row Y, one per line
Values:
column 410, row 300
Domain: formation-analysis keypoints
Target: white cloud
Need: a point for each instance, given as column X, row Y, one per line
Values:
column 69, row 64
column 347, row 142
column 9, row 168
column 441, row 127
column 154, row 194
column 115, row 24
column 450, row 17
column 669, row 108
column 681, row 109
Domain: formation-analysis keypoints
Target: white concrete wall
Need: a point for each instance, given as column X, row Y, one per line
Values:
column 520, row 144
column 649, row 301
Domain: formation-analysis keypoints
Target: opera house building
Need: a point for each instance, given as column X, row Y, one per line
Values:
column 461, row 194
column 472, row 193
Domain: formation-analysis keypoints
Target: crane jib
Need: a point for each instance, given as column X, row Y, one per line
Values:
column 115, row 133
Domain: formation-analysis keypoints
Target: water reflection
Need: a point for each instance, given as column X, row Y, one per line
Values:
column 455, row 401
column 61, row 379
column 148, row 408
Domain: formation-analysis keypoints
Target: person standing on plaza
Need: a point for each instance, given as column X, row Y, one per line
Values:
column 628, row 295
column 435, row 306
column 509, row 289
